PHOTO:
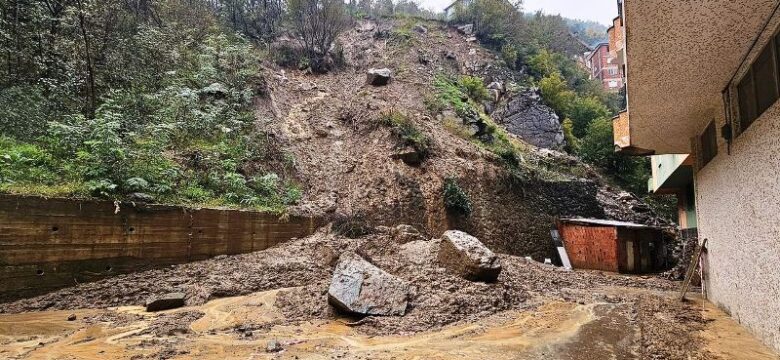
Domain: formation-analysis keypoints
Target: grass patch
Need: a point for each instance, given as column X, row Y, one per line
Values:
column 405, row 130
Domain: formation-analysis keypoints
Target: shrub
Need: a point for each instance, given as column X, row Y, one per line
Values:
column 582, row 111
column 407, row 132
column 456, row 201
column 318, row 23
column 568, row 133
column 510, row 55
column 556, row 93
column 474, row 88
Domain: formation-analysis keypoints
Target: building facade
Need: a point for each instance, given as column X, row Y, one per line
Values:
column 720, row 113
column 602, row 66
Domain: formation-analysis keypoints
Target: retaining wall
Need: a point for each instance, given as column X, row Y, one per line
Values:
column 50, row 243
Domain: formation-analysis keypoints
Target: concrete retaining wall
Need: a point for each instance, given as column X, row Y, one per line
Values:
column 50, row 243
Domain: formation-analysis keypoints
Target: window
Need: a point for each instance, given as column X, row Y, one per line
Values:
column 709, row 144
column 758, row 90
column 747, row 100
column 765, row 79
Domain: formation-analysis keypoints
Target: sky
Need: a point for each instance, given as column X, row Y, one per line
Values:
column 602, row 11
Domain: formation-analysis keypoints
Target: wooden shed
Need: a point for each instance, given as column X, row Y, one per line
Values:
column 613, row 245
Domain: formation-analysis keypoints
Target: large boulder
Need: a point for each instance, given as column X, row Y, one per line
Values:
column 465, row 255
column 358, row 287
column 165, row 302
column 378, row 77
column 526, row 116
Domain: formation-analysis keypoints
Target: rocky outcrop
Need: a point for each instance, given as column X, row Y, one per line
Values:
column 165, row 302
column 527, row 117
column 465, row 255
column 378, row 77
column 358, row 287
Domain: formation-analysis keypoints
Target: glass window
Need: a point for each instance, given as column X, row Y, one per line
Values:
column 765, row 80
column 747, row 100
column 709, row 144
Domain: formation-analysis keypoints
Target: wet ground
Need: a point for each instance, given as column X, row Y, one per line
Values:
column 272, row 304
column 252, row 327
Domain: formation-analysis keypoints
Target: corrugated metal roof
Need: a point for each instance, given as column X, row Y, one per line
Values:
column 614, row 223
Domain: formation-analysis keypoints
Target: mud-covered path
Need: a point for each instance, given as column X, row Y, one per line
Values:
column 242, row 328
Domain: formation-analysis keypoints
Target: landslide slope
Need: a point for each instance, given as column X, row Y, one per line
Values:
column 333, row 128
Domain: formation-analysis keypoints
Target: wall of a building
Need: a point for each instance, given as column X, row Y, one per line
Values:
column 591, row 247
column 738, row 210
column 50, row 243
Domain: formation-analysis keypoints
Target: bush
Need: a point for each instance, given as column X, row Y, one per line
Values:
column 318, row 23
column 474, row 88
column 407, row 132
column 510, row 55
column 597, row 147
column 456, row 201
column 556, row 93
column 582, row 111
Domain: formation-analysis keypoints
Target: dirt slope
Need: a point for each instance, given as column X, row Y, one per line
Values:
column 330, row 125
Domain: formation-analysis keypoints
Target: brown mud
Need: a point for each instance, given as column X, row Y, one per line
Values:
column 240, row 306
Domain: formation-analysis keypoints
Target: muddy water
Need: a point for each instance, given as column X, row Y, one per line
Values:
column 241, row 328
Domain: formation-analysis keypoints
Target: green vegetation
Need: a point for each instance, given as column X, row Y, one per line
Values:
column 407, row 132
column 158, row 105
column 456, row 201
column 545, row 44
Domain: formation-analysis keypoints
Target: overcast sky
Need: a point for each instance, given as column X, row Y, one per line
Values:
column 602, row 11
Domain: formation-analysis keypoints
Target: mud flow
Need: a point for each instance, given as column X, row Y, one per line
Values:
column 273, row 304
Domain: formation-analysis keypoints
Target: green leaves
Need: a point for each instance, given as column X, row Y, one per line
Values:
column 456, row 201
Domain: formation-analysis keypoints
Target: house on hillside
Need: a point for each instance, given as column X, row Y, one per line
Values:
column 603, row 67
column 451, row 10
column 704, row 103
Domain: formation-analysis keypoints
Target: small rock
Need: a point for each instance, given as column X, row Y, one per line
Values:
column 273, row 346
column 465, row 255
column 165, row 302
column 471, row 39
column 359, row 287
column 473, row 52
column 378, row 77
column 420, row 29
column 450, row 55
column 72, row 317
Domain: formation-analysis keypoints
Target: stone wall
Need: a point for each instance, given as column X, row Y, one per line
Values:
column 51, row 243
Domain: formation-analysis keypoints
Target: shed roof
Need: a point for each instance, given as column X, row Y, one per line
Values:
column 615, row 223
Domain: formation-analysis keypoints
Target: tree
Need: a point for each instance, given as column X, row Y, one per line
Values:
column 598, row 148
column 495, row 21
column 318, row 23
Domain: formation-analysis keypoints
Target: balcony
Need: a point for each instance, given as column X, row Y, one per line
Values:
column 621, row 132
column 616, row 42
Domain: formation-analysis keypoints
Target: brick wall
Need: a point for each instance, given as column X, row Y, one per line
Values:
column 49, row 243
column 591, row 247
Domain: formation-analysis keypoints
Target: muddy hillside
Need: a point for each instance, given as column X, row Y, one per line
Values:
column 358, row 167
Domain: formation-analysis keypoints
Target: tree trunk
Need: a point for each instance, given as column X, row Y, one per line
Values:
column 88, row 58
